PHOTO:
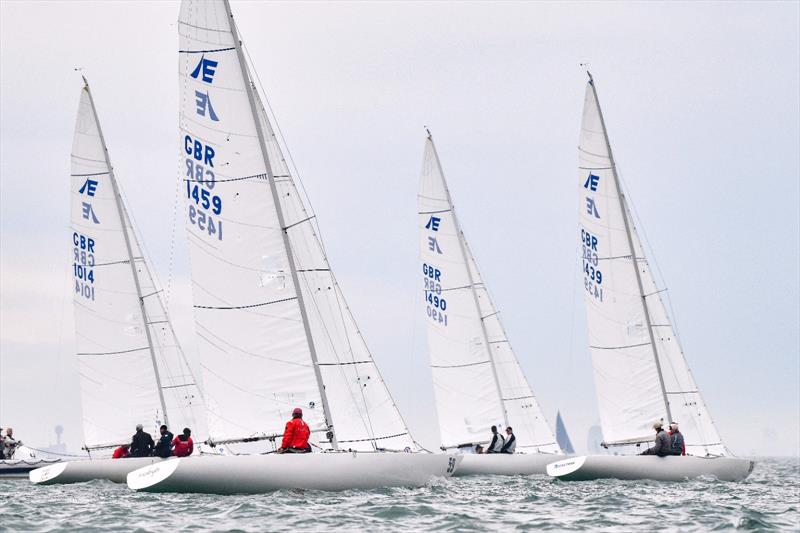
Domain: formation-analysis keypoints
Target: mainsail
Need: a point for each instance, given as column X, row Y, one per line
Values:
column 640, row 372
column 477, row 379
column 275, row 332
column 132, row 369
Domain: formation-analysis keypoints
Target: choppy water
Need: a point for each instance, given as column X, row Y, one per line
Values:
column 768, row 499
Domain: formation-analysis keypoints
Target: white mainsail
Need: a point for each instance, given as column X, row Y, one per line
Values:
column 275, row 331
column 640, row 372
column 132, row 369
column 477, row 378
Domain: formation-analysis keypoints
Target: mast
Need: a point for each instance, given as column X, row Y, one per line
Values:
column 131, row 259
column 287, row 244
column 624, row 208
column 461, row 239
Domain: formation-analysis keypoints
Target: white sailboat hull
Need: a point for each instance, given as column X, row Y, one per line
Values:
column 631, row 467
column 253, row 474
column 504, row 464
column 115, row 470
column 20, row 468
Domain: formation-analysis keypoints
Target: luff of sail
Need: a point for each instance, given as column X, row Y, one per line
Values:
column 131, row 366
column 641, row 375
column 274, row 330
column 477, row 378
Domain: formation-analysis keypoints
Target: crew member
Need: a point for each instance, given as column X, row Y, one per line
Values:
column 121, row 452
column 677, row 444
column 295, row 436
column 183, row 445
column 8, row 444
column 164, row 445
column 141, row 443
column 496, row 446
column 663, row 446
column 478, row 448
column 511, row 441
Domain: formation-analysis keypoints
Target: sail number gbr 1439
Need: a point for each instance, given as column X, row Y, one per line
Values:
column 204, row 206
column 436, row 305
column 592, row 276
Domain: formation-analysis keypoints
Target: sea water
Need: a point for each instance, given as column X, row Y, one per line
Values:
column 768, row 500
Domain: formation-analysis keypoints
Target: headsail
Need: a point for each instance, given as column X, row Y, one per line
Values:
column 641, row 375
column 477, row 379
column 562, row 436
column 275, row 332
column 131, row 366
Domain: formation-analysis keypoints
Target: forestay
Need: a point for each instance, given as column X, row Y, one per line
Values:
column 477, row 378
column 132, row 369
column 267, row 305
column 641, row 375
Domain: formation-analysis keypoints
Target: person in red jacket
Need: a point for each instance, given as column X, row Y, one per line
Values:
column 183, row 445
column 121, row 452
column 295, row 437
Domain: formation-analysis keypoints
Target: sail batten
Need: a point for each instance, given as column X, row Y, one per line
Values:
column 641, row 374
column 477, row 379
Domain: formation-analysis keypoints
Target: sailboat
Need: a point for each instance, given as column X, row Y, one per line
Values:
column 132, row 369
column 275, row 331
column 477, row 378
column 641, row 375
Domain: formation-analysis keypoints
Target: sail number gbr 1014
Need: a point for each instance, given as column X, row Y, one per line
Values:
column 592, row 276
column 83, row 250
column 435, row 304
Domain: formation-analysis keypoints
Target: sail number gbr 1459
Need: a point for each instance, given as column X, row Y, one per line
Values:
column 436, row 305
column 204, row 206
column 592, row 276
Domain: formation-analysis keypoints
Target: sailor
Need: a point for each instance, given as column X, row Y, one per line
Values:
column 496, row 446
column 678, row 446
column 295, row 436
column 121, row 452
column 141, row 443
column 511, row 441
column 164, row 445
column 478, row 448
column 183, row 445
column 8, row 444
column 663, row 446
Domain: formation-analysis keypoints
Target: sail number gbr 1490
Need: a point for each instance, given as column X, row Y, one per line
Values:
column 436, row 305
column 204, row 206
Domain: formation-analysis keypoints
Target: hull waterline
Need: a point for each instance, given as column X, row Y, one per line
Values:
column 254, row 474
column 633, row 467
column 115, row 470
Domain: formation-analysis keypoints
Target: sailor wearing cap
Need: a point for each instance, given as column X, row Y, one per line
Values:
column 295, row 436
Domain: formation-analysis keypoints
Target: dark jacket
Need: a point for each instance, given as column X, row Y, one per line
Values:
column 497, row 443
column 677, row 444
column 141, row 444
column 510, row 445
column 164, row 445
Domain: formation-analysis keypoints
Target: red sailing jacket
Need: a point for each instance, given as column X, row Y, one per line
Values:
column 182, row 448
column 119, row 453
column 296, row 434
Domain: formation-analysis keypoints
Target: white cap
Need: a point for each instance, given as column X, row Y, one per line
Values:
column 139, row 426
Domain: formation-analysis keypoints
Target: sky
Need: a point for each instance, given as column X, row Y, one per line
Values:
column 703, row 109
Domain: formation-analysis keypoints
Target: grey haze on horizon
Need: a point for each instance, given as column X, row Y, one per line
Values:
column 702, row 105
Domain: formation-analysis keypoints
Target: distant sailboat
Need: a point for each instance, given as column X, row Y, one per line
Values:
column 132, row 369
column 641, row 375
column 275, row 331
column 477, row 379
column 561, row 435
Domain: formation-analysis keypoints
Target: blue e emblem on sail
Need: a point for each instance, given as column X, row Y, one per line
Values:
column 591, row 207
column 591, row 182
column 88, row 212
column 433, row 246
column 205, row 70
column 204, row 104
column 89, row 187
column 433, row 223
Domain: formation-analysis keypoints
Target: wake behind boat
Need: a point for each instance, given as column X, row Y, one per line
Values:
column 330, row 471
column 642, row 378
column 478, row 381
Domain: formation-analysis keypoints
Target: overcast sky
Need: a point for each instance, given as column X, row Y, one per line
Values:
column 701, row 102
